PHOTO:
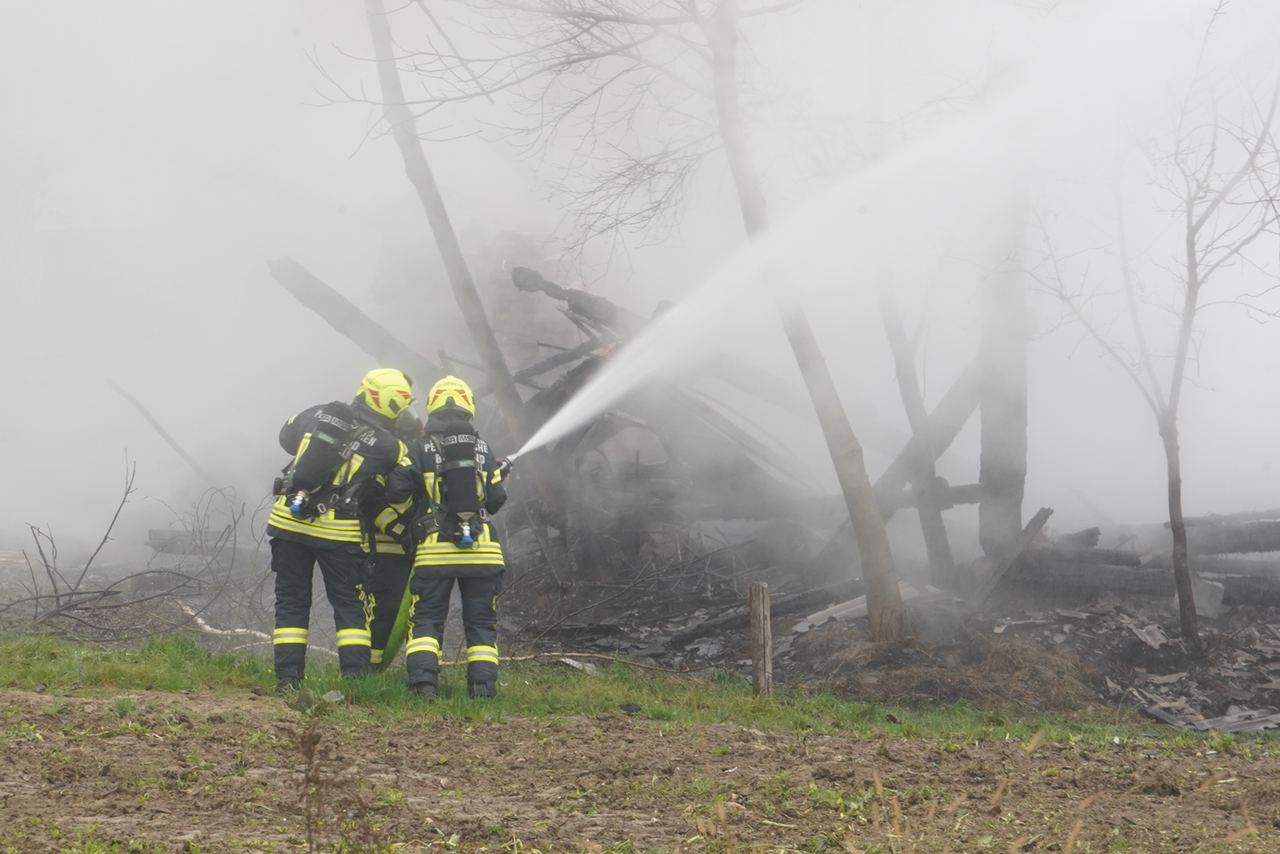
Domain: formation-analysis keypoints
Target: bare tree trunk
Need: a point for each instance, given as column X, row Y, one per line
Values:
column 885, row 612
column 403, row 127
column 1178, row 527
column 1003, row 465
column 942, row 565
column 1172, row 451
column 941, row 428
column 884, row 601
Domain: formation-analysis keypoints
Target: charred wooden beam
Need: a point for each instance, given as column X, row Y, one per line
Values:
column 1214, row 565
column 1058, row 554
column 947, row 496
column 1231, row 539
column 591, row 306
column 924, row 479
column 1228, row 518
column 761, row 452
column 1085, row 539
column 350, row 322
column 1012, row 552
column 1052, row 577
column 944, row 424
column 564, row 357
column 597, row 311
column 1093, row 578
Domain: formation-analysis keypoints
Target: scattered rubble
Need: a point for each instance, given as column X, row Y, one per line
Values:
column 1119, row 652
column 1235, row 688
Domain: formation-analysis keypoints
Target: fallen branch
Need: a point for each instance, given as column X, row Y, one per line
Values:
column 598, row 656
column 164, row 434
column 262, row 637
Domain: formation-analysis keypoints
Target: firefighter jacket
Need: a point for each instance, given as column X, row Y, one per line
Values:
column 437, row 548
column 349, row 506
column 393, row 523
column 390, row 524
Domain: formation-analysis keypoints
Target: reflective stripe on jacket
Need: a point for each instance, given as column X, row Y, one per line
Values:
column 375, row 453
column 434, row 555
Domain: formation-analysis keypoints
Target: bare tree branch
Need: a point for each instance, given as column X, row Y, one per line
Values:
column 130, row 473
column 1247, row 167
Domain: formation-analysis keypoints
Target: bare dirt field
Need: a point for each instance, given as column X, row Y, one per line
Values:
column 152, row 771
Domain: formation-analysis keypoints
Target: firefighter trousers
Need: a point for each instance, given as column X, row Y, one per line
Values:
column 427, row 615
column 385, row 590
column 343, row 572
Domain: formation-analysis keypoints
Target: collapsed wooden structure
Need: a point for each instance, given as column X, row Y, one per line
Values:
column 713, row 485
column 716, row 468
column 1220, row 548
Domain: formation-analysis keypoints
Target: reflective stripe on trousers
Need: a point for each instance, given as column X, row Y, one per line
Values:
column 482, row 652
column 430, row 610
column 294, row 564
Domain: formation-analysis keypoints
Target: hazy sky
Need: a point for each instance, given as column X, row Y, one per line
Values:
column 156, row 154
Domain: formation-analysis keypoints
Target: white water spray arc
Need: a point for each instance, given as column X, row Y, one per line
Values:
column 1093, row 76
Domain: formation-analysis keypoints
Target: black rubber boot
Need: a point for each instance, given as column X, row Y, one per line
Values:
column 423, row 691
column 353, row 661
column 482, row 690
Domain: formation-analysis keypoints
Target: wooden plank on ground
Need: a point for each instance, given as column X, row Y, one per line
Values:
column 1010, row 557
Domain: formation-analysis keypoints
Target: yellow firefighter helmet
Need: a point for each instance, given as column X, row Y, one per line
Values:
column 386, row 391
column 451, row 391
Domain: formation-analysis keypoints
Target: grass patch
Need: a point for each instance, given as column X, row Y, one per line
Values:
column 533, row 690
column 169, row 663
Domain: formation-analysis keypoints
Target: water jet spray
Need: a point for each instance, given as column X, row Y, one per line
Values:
column 959, row 177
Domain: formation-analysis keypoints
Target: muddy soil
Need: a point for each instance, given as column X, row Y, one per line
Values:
column 245, row 773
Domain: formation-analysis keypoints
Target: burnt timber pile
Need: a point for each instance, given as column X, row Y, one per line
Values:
column 610, row 507
column 638, row 499
column 1233, row 557
column 647, row 536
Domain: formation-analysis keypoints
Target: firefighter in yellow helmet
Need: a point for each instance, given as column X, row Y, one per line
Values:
column 392, row 558
column 458, row 486
column 328, row 496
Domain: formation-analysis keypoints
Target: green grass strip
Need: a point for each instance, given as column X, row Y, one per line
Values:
column 539, row 690
column 166, row 663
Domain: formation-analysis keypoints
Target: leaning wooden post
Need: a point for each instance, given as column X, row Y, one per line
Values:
column 761, row 641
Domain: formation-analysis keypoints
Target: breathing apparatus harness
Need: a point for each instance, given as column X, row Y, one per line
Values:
column 308, row 479
column 457, row 469
column 456, row 454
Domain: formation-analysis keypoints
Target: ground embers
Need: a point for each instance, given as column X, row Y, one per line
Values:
column 1134, row 654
